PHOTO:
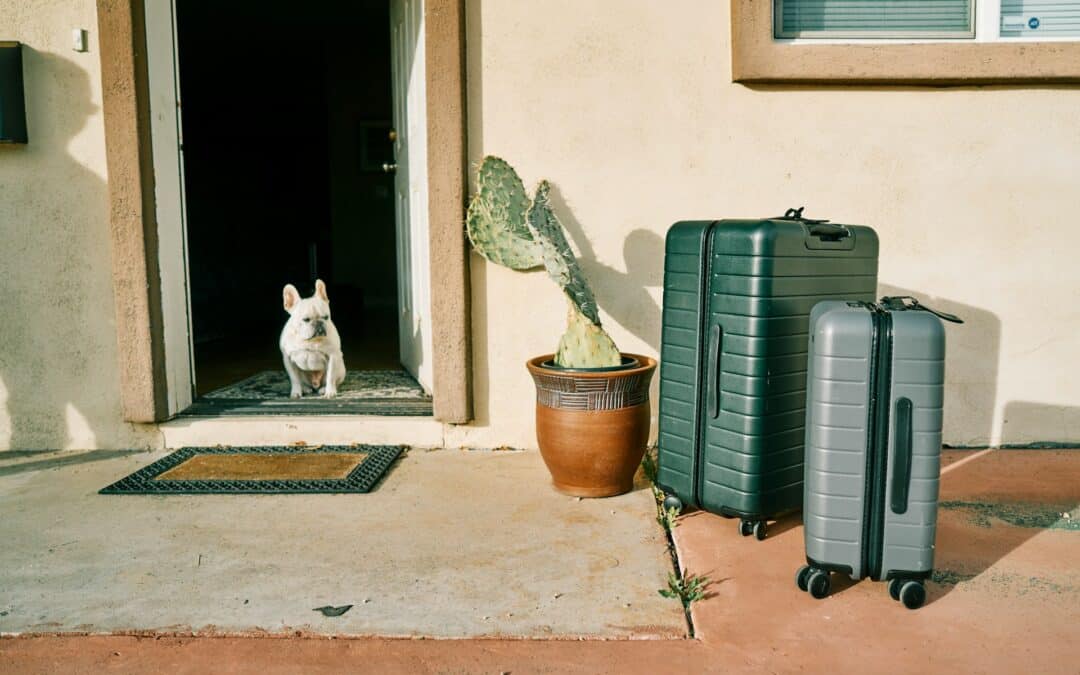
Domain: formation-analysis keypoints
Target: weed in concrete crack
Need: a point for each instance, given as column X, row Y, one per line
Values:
column 668, row 518
column 688, row 588
column 649, row 465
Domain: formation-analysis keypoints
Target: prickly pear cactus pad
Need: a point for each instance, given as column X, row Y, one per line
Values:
column 510, row 230
column 585, row 344
column 559, row 258
column 496, row 220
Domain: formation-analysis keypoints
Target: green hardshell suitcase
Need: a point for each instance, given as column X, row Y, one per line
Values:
column 737, row 301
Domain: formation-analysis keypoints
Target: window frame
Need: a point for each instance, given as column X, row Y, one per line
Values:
column 759, row 58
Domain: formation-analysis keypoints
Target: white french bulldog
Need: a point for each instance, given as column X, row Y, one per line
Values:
column 310, row 345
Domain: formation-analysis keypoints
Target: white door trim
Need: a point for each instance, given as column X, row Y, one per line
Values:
column 409, row 77
column 169, row 208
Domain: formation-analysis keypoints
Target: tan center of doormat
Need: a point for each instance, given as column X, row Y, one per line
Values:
column 302, row 466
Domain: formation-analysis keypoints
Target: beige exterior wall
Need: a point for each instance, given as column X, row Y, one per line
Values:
column 59, row 386
column 629, row 109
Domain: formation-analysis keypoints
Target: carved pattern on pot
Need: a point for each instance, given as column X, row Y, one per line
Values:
column 569, row 393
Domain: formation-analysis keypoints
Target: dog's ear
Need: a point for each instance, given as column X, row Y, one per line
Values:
column 291, row 296
column 320, row 290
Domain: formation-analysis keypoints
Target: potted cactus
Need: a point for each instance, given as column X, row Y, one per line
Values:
column 592, row 401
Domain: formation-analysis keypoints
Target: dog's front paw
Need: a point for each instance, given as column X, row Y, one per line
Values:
column 331, row 392
column 296, row 392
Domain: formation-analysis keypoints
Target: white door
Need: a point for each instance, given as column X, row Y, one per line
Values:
column 167, row 144
column 410, row 186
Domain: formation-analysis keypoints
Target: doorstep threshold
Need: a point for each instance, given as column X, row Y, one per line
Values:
column 387, row 407
column 310, row 429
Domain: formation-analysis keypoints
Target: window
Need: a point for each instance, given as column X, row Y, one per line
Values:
column 979, row 20
column 905, row 42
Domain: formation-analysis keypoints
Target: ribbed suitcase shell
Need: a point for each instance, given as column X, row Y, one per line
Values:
column 838, row 441
column 746, row 287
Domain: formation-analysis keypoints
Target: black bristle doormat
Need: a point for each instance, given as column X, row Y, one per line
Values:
column 263, row 470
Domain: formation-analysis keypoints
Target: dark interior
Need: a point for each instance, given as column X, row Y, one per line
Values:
column 286, row 122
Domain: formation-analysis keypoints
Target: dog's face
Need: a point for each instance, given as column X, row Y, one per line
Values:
column 309, row 318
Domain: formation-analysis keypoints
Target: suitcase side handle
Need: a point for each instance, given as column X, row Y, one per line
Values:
column 716, row 341
column 901, row 477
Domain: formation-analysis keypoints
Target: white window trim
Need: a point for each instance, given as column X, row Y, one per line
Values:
column 986, row 21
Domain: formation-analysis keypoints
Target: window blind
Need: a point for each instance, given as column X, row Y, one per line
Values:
column 874, row 18
column 1035, row 18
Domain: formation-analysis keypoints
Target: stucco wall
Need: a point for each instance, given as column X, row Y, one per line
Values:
column 628, row 107
column 59, row 386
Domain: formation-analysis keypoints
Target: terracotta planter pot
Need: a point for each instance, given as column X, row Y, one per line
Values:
column 592, row 426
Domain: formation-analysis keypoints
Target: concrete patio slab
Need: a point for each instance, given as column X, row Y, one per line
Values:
column 1004, row 602
column 451, row 544
column 1004, row 599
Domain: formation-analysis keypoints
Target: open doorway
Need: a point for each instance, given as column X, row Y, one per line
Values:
column 288, row 155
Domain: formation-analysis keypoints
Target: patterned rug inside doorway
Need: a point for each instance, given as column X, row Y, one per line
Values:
column 364, row 392
column 262, row 470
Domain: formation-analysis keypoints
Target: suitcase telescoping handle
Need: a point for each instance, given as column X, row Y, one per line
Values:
column 895, row 303
column 822, row 229
column 716, row 341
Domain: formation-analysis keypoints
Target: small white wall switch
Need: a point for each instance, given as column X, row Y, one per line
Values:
column 78, row 39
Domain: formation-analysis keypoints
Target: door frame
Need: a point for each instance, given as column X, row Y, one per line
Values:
column 136, row 260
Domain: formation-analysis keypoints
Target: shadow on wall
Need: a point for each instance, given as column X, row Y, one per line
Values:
column 623, row 295
column 479, row 325
column 1031, row 424
column 971, row 386
column 55, row 366
column 971, row 369
column 474, row 80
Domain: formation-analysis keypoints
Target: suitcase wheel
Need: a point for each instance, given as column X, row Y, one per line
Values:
column 819, row 584
column 912, row 594
column 673, row 502
column 758, row 528
column 894, row 588
column 802, row 577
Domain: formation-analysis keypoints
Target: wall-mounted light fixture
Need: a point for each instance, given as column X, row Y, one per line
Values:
column 12, row 99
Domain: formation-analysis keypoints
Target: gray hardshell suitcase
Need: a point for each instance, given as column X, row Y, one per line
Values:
column 737, row 301
column 873, row 444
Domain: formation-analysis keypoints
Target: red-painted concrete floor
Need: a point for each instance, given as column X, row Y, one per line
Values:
column 1006, row 600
